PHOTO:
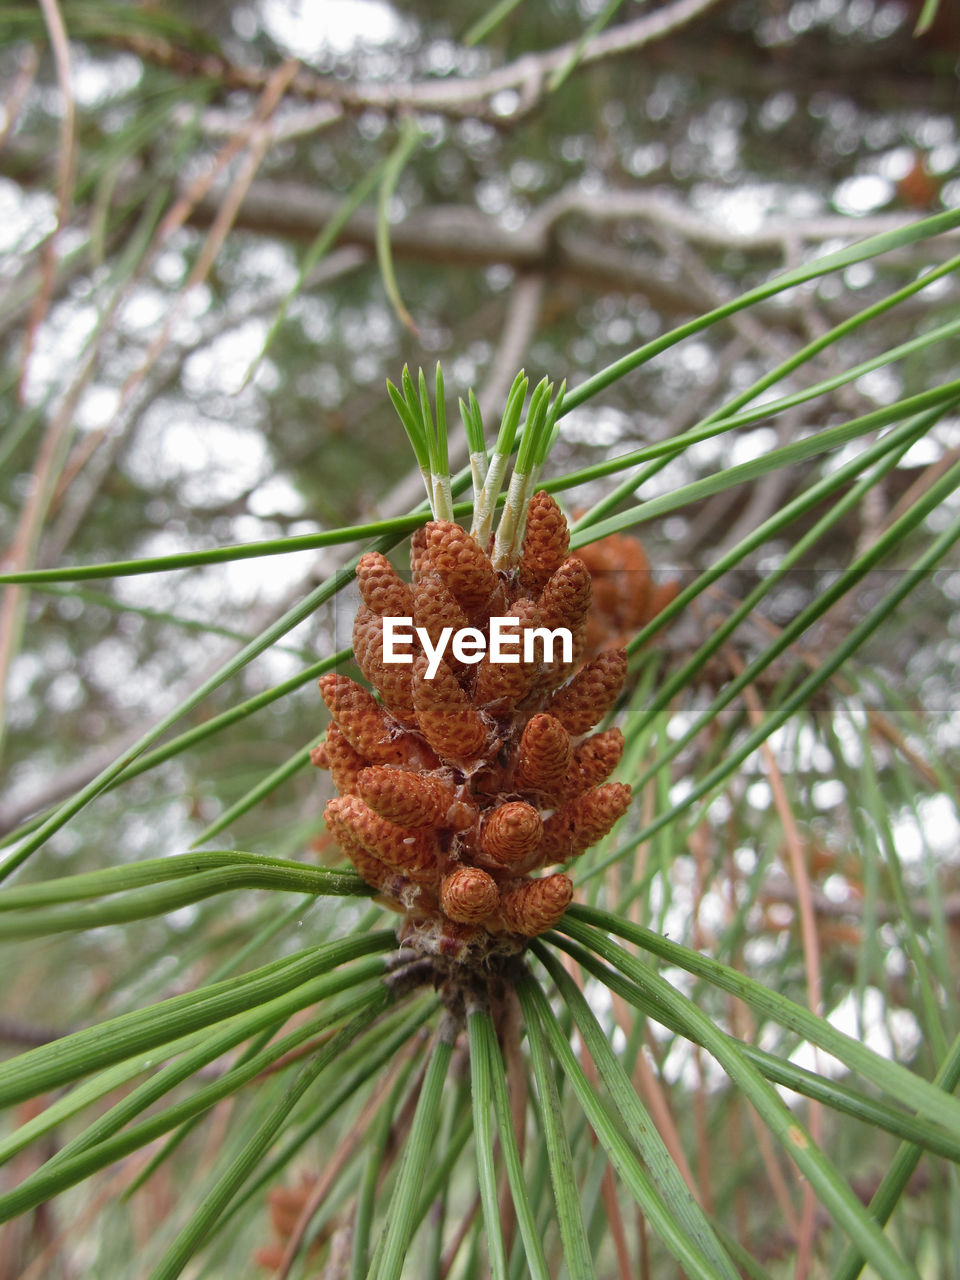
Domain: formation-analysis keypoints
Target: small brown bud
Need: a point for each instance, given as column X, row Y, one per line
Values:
column 460, row 563
column 287, row 1203
column 468, row 895
column 546, row 542
column 622, row 582
column 625, row 596
column 502, row 685
column 529, row 907
column 448, row 720
column 384, row 592
column 413, row 851
column 580, row 823
column 270, row 1256
column 565, row 599
column 435, row 608
column 343, row 762
column 544, row 756
column 591, row 693
column 593, row 761
column 511, row 832
column 392, row 680
column 364, row 723
column 407, row 798
column 663, row 593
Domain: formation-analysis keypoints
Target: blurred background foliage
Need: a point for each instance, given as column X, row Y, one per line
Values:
column 223, row 227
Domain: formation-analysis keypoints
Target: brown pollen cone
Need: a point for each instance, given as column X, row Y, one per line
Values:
column 418, row 550
column 375, row 872
column 591, row 693
column 501, row 685
column 455, row 788
column 565, row 602
column 578, row 824
column 384, row 592
column 456, row 559
column 447, row 718
column 413, row 851
column 529, row 907
column 469, row 895
column 392, row 680
column 340, row 758
column 434, row 608
column 565, row 598
column 546, row 542
column 511, row 832
column 366, row 725
column 594, row 761
column 407, row 798
column 625, row 595
column 544, row 755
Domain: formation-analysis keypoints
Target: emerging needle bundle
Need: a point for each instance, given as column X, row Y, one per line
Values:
column 455, row 790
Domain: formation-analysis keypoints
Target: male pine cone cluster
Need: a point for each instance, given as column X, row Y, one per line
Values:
column 625, row 595
column 454, row 790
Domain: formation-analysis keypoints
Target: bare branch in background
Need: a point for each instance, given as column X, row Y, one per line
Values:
column 21, row 86
column 464, row 236
column 454, row 96
column 774, row 234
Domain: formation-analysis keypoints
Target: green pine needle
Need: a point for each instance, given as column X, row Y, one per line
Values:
column 412, row 423
column 426, row 417
column 489, row 22
column 473, row 425
column 391, row 1252
column 410, row 138
column 511, row 415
